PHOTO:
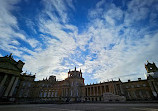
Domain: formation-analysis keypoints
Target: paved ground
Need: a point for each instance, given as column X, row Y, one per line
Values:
column 81, row 107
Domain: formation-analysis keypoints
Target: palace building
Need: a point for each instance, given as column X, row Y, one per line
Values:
column 22, row 87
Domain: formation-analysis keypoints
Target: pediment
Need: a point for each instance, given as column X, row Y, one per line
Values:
column 9, row 66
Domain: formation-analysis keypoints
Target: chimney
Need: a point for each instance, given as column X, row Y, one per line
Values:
column 20, row 64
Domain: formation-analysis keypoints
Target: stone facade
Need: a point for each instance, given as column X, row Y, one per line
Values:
column 153, row 84
column 69, row 89
column 15, row 85
column 26, row 86
column 95, row 92
column 10, row 71
column 137, row 90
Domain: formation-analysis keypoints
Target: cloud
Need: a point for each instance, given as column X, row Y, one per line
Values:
column 120, row 55
column 33, row 42
column 108, row 48
column 59, row 7
column 130, row 61
column 14, row 42
column 114, row 44
column 58, row 39
column 139, row 11
column 11, row 35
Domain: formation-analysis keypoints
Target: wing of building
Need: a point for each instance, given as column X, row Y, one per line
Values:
column 10, row 71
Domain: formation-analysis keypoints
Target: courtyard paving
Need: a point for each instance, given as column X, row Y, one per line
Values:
column 82, row 107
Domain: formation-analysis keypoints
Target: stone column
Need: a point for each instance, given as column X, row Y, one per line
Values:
column 104, row 88
column 66, row 92
column 90, row 91
column 9, row 86
column 97, row 90
column 93, row 91
column 101, row 90
column 114, row 89
column 13, row 87
column 62, row 92
column 2, row 83
column 87, row 91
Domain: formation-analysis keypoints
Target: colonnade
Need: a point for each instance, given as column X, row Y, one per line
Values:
column 96, row 90
column 7, row 90
column 66, row 92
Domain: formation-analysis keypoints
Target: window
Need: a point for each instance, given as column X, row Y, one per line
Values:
column 52, row 94
column 132, row 86
column 71, row 92
column 138, row 85
column 72, row 83
column 41, row 93
column 45, row 94
column 24, row 83
column 21, row 93
column 49, row 94
column 77, row 92
column 55, row 93
column 29, row 84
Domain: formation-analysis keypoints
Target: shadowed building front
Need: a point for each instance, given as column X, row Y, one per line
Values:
column 22, row 86
column 10, row 71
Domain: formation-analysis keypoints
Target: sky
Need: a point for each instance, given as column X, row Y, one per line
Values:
column 107, row 39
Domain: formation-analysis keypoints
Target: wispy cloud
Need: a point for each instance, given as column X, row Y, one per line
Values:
column 10, row 32
column 119, row 51
column 115, row 42
column 59, row 43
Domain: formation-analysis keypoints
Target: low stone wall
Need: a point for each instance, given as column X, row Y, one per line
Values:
column 107, row 97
